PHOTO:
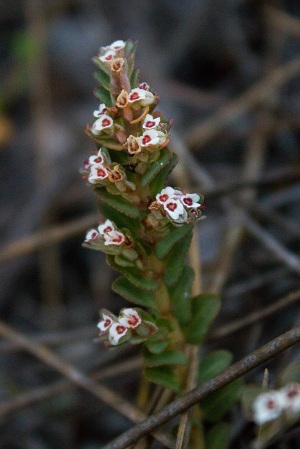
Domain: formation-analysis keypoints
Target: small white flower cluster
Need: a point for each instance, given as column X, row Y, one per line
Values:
column 271, row 405
column 106, row 231
column 103, row 123
column 96, row 167
column 153, row 138
column 111, row 51
column 180, row 207
column 114, row 329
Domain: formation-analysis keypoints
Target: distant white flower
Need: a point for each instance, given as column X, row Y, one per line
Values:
column 116, row 331
column 133, row 145
column 144, row 86
column 143, row 96
column 98, row 173
column 190, row 200
column 92, row 234
column 102, row 110
column 150, row 122
column 104, row 122
column 108, row 56
column 174, row 208
column 114, row 238
column 268, row 406
column 291, row 396
column 130, row 318
column 99, row 159
column 152, row 138
column 117, row 45
column 165, row 194
column 105, row 323
column 106, row 227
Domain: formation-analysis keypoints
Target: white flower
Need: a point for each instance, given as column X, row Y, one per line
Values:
column 116, row 331
column 174, row 208
column 114, row 238
column 130, row 318
column 99, row 159
column 190, row 200
column 268, row 406
column 105, row 323
column 150, row 122
column 167, row 193
column 108, row 56
column 144, row 96
column 102, row 110
column 144, row 86
column 104, row 122
column 92, row 234
column 117, row 45
column 291, row 396
column 152, row 138
column 133, row 145
column 98, row 173
column 106, row 227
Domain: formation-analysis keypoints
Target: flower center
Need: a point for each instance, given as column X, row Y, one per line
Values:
column 146, row 139
column 133, row 320
column 107, row 322
column 134, row 96
column 99, row 159
column 188, row 201
column 149, row 124
column 107, row 229
column 172, row 206
column 105, row 122
column 271, row 404
column 108, row 57
column 163, row 198
column 101, row 173
column 117, row 239
column 120, row 329
column 292, row 393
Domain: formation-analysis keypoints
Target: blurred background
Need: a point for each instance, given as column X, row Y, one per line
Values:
column 228, row 73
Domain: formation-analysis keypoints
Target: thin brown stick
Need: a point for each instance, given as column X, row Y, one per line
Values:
column 200, row 135
column 77, row 377
column 283, row 21
column 248, row 363
column 62, row 386
column 258, row 315
column 46, row 238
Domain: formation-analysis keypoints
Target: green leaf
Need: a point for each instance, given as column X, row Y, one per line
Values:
column 134, row 275
column 121, row 220
column 290, row 374
column 248, row 394
column 120, row 204
column 156, row 346
column 163, row 247
column 218, row 437
column 205, row 307
column 101, row 65
column 159, row 181
column 156, row 166
column 123, row 262
column 103, row 79
column 134, row 78
column 125, row 288
column 215, row 405
column 179, row 294
column 104, row 96
column 213, row 364
column 164, row 376
column 175, row 261
column 166, row 357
